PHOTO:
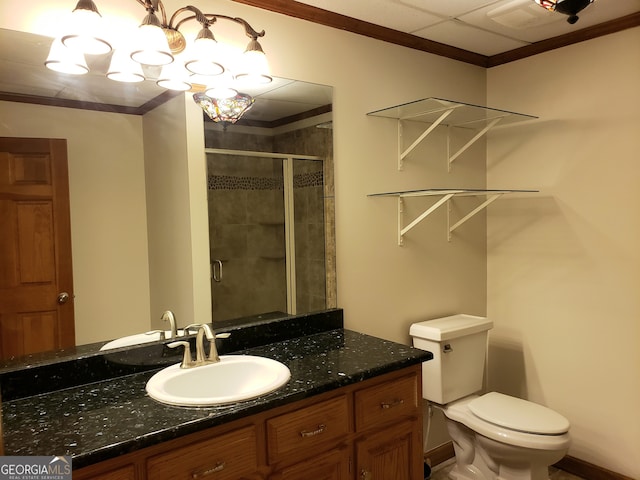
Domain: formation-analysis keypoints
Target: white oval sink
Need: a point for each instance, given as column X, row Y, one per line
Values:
column 137, row 339
column 233, row 379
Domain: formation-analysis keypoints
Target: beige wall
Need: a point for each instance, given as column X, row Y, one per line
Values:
column 108, row 212
column 175, row 171
column 564, row 265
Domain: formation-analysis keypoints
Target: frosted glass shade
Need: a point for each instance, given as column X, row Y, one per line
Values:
column 123, row 68
column 65, row 60
column 202, row 57
column 85, row 33
column 152, row 47
column 254, row 68
column 174, row 77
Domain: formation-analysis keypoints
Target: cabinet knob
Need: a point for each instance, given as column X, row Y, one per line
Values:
column 365, row 475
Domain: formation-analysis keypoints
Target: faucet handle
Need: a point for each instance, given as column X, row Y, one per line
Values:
column 186, row 357
column 191, row 326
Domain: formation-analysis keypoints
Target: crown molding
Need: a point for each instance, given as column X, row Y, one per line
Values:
column 330, row 19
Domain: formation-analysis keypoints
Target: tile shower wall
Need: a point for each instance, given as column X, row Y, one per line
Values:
column 246, row 208
column 309, row 233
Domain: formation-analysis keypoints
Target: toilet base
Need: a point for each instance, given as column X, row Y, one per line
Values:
column 481, row 458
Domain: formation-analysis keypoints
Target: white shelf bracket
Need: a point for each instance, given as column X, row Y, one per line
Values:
column 424, row 135
column 403, row 230
column 478, row 135
column 490, row 199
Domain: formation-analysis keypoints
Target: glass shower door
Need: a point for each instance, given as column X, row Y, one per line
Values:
column 266, row 230
column 247, row 237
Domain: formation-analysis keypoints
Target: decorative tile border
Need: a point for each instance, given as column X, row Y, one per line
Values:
column 232, row 182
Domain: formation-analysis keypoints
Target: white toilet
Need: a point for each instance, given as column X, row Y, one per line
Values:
column 495, row 436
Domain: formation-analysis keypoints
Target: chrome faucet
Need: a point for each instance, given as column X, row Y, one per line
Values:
column 201, row 359
column 168, row 316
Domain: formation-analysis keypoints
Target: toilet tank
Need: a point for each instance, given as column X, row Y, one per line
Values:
column 459, row 345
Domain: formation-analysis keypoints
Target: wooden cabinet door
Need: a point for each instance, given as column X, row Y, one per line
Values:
column 36, row 287
column 390, row 454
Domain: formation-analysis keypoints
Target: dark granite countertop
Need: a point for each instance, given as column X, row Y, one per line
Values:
column 107, row 418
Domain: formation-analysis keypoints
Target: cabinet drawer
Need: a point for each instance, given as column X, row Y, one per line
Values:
column 225, row 457
column 127, row 472
column 386, row 402
column 332, row 465
column 307, row 428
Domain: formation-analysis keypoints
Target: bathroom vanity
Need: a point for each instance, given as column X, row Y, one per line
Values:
column 351, row 410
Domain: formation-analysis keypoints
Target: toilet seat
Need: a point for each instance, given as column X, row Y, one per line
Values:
column 520, row 415
column 460, row 411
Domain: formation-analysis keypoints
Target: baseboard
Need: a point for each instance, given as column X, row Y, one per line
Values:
column 439, row 454
column 569, row 464
column 588, row 470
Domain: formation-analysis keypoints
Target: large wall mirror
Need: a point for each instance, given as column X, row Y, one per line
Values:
column 268, row 181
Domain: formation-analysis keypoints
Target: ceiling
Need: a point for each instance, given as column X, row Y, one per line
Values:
column 487, row 27
column 482, row 32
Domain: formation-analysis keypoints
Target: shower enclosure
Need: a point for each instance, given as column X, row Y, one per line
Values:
column 266, row 231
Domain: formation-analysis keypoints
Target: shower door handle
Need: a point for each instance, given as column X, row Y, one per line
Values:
column 216, row 270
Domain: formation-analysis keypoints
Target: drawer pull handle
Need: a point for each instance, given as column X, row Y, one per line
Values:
column 218, row 468
column 312, row 433
column 396, row 403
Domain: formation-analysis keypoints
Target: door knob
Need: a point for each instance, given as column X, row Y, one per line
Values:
column 63, row 298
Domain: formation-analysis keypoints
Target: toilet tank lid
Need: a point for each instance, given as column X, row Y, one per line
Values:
column 518, row 414
column 453, row 326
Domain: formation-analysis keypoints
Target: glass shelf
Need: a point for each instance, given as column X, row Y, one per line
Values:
column 445, row 195
column 446, row 191
column 438, row 111
column 429, row 110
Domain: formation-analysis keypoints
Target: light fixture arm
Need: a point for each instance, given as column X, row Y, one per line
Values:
column 153, row 6
column 208, row 19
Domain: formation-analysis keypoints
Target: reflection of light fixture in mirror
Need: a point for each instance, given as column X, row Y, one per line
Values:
column 64, row 60
column 568, row 7
column 123, row 69
column 220, row 86
column 159, row 40
column 224, row 110
column 174, row 77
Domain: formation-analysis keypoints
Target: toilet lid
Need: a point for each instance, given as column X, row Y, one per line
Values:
column 517, row 414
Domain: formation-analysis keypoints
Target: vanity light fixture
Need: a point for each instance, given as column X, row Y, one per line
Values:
column 571, row 8
column 158, row 43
